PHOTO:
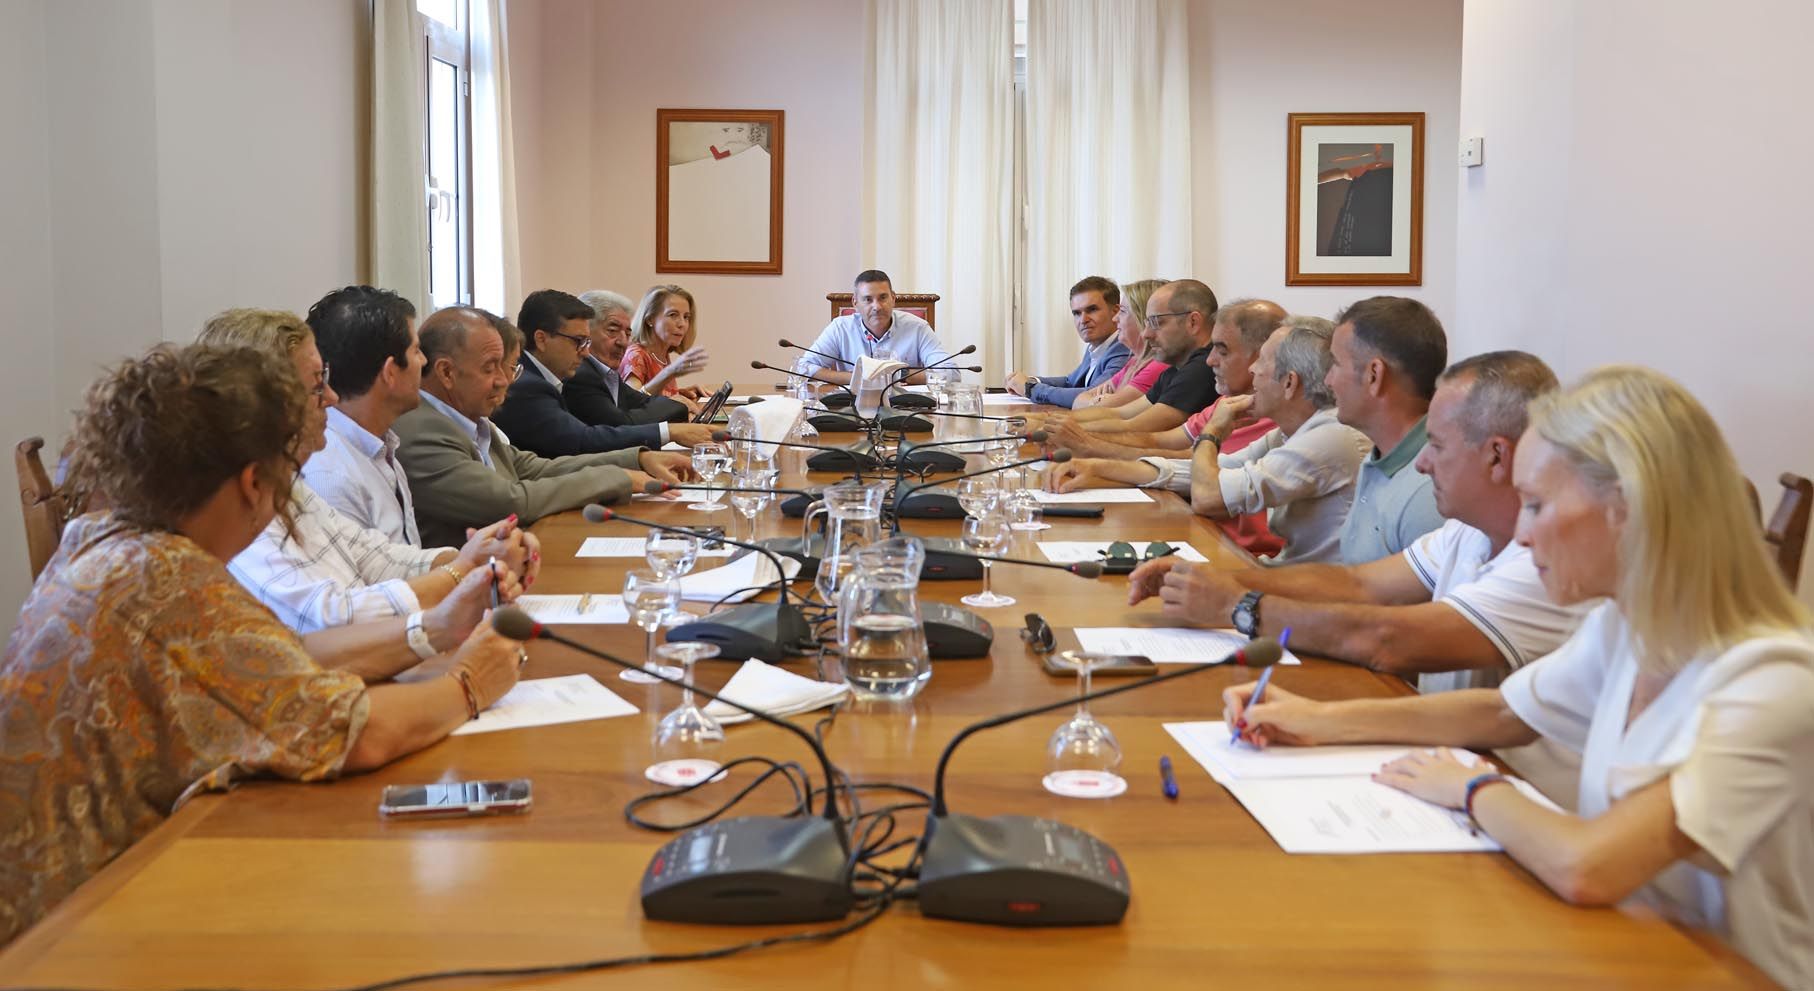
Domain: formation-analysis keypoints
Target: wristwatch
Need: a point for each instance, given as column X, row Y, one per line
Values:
column 1207, row 436
column 1247, row 614
column 417, row 636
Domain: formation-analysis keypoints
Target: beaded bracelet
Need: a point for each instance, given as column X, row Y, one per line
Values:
column 454, row 574
column 1475, row 784
column 472, row 697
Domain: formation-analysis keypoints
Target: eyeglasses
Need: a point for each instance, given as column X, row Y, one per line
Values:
column 320, row 392
column 1119, row 558
column 516, row 372
column 580, row 341
column 1153, row 319
column 1038, row 634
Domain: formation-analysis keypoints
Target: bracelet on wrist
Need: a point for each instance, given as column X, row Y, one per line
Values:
column 454, row 573
column 472, row 698
column 1478, row 782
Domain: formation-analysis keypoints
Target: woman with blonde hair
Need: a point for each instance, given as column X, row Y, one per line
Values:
column 1139, row 374
column 661, row 345
column 1689, row 693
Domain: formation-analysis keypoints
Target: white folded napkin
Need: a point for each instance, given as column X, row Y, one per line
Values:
column 877, row 369
column 773, row 690
column 770, row 420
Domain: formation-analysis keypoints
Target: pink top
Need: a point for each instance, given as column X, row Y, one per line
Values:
column 643, row 365
column 1142, row 380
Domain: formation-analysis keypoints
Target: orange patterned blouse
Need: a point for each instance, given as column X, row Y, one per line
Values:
column 141, row 673
column 643, row 364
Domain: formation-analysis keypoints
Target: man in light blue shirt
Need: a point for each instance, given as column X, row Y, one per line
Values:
column 875, row 330
column 1094, row 301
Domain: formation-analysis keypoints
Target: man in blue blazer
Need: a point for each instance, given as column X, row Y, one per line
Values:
column 1094, row 302
column 596, row 393
column 555, row 327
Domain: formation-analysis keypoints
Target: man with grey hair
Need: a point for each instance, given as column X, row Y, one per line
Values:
column 1301, row 472
column 596, row 393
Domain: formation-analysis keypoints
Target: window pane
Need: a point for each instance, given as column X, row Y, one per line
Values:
column 445, row 11
column 445, row 196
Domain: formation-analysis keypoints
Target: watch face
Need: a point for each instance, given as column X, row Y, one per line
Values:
column 1244, row 619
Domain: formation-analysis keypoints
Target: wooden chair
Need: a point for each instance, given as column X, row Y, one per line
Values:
column 46, row 508
column 920, row 304
column 1787, row 531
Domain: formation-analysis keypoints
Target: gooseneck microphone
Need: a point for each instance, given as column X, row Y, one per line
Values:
column 784, row 342
column 914, row 400
column 767, row 630
column 1082, row 569
column 924, row 456
column 843, row 396
column 742, row 871
column 945, row 506
column 1026, row 871
column 857, row 461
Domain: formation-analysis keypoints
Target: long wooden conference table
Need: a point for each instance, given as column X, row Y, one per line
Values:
column 280, row 885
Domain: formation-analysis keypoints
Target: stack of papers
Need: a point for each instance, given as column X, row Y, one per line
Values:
column 735, row 581
column 1090, row 497
column 1071, row 551
column 1324, row 799
column 1006, row 399
column 547, row 701
column 773, row 690
column 1167, row 645
column 633, row 547
column 552, row 609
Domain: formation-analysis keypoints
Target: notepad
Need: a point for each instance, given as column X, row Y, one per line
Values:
column 591, row 608
column 1071, row 551
column 1092, row 496
column 775, row 691
column 1167, row 645
column 632, row 547
column 1324, row 799
column 547, row 702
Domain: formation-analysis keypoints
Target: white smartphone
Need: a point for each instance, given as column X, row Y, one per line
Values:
column 455, row 798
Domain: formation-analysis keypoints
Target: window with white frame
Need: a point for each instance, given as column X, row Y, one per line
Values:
column 447, row 151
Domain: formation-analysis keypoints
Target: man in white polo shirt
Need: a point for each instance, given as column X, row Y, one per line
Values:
column 1461, row 607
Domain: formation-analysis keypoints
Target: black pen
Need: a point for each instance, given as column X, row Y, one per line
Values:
column 494, row 580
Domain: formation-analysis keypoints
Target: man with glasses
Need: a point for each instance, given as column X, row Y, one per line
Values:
column 464, row 473
column 556, row 330
column 1178, row 321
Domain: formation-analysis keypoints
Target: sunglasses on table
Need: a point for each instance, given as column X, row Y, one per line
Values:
column 1038, row 634
column 1120, row 557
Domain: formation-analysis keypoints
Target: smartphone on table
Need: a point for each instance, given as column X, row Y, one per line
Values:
column 1103, row 666
column 455, row 798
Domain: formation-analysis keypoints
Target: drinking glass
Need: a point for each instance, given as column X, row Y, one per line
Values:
column 978, row 494
column 939, row 382
column 672, row 556
column 649, row 599
column 687, row 739
column 1002, row 451
column 1023, row 503
column 710, row 460
column 986, row 533
column 1083, row 756
column 753, row 491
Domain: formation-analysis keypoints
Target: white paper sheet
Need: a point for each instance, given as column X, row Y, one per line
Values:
column 738, row 577
column 1069, row 551
column 687, row 495
column 1354, row 815
column 1166, row 645
column 1091, row 497
column 1006, row 399
column 631, row 547
column 773, row 690
column 594, row 608
column 1226, row 761
column 548, row 701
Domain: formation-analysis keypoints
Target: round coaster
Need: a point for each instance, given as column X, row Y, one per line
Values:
column 637, row 676
column 1085, row 784
column 687, row 771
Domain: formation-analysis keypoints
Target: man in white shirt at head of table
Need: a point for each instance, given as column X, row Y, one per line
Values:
column 875, row 330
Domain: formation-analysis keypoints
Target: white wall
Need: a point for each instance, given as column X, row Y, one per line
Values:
column 588, row 79
column 164, row 162
column 1645, row 199
column 1253, row 62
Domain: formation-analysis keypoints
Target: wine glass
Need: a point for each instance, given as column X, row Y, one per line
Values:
column 709, row 460
column 1023, row 503
column 939, row 382
column 985, row 533
column 1003, row 451
column 754, row 490
column 672, row 555
column 687, row 739
column 978, row 494
column 649, row 599
column 1083, row 756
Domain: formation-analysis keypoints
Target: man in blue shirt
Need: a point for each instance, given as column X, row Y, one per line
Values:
column 876, row 330
column 1094, row 301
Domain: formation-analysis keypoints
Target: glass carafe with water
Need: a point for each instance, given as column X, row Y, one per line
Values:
column 853, row 519
column 880, row 633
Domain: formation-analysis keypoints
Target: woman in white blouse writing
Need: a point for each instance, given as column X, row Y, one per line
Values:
column 1689, row 695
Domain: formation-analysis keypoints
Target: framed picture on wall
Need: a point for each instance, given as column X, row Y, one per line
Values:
column 718, row 191
column 1354, row 200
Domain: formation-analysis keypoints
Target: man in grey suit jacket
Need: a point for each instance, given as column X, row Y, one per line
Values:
column 463, row 473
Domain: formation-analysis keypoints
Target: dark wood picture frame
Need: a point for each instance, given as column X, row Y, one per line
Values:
column 774, row 121
column 1295, row 199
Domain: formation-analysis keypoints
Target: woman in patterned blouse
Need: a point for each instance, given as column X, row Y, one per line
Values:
column 661, row 346
column 141, row 673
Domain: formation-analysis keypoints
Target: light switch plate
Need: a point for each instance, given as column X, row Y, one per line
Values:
column 1473, row 152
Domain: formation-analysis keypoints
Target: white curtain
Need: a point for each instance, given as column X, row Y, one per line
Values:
column 938, row 205
column 398, row 235
column 1108, row 158
column 497, row 274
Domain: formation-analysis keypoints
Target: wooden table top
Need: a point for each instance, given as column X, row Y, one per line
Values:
column 304, row 886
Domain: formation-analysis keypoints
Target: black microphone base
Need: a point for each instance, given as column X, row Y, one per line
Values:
column 1020, row 871
column 842, row 461
column 904, row 423
column 945, row 561
column 929, row 504
column 753, row 870
column 912, row 400
column 770, row 631
column 930, row 459
column 836, row 400
column 835, row 423
column 953, row 632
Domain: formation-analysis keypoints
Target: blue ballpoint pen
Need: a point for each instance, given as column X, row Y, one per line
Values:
column 1259, row 690
column 1168, row 782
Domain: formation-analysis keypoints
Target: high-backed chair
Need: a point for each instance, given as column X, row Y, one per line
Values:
column 1787, row 531
column 46, row 509
column 920, row 304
